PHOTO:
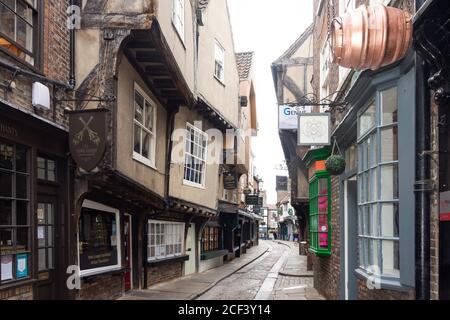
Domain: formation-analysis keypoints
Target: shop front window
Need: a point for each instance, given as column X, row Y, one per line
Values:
column 211, row 239
column 378, row 185
column 319, row 215
column 15, row 231
column 99, row 238
column 165, row 239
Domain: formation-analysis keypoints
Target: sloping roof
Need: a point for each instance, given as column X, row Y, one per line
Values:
column 244, row 62
column 294, row 47
column 202, row 4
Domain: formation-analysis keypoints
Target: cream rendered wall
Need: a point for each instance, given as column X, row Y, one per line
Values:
column 151, row 178
column 183, row 50
column 207, row 196
column 223, row 97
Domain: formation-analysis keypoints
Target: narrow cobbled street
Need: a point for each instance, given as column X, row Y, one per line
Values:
column 272, row 271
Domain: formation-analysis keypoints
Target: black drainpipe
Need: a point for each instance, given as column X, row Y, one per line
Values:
column 423, row 184
column 72, row 82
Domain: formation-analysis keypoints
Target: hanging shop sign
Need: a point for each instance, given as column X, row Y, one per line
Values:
column 253, row 200
column 314, row 129
column 444, row 206
column 282, row 183
column 371, row 37
column 288, row 116
column 87, row 137
column 230, row 180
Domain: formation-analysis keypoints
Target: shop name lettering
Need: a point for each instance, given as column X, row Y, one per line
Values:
column 8, row 131
column 102, row 258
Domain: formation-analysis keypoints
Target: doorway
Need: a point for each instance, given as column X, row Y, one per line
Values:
column 189, row 265
column 350, row 238
column 48, row 240
column 128, row 255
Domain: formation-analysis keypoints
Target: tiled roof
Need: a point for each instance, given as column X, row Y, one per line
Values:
column 244, row 62
column 202, row 4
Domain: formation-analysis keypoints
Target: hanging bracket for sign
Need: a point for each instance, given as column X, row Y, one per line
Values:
column 310, row 99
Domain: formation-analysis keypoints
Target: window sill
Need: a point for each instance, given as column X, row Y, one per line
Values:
column 222, row 82
column 213, row 254
column 193, row 184
column 16, row 284
column 146, row 162
column 152, row 263
column 89, row 275
column 381, row 282
column 21, row 61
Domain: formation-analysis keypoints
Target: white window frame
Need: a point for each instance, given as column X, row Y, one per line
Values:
column 178, row 17
column 219, row 57
column 150, row 162
column 369, row 199
column 189, row 128
column 101, row 207
column 181, row 228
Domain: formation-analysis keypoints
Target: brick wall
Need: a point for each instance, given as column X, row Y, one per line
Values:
column 365, row 293
column 164, row 272
column 327, row 270
column 19, row 293
column 104, row 287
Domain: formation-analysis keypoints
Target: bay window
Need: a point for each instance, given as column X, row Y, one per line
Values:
column 165, row 239
column 18, row 19
column 378, row 185
column 15, row 222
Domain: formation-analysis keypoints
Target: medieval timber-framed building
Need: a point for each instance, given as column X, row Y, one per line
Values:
column 167, row 79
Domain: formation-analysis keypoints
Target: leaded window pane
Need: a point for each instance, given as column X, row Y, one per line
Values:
column 367, row 120
column 389, row 106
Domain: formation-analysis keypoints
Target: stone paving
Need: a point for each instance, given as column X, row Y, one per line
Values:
column 271, row 271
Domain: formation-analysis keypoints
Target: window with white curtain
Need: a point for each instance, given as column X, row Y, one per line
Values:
column 378, row 186
column 178, row 17
column 165, row 239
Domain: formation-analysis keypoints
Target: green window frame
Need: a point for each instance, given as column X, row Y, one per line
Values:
column 320, row 214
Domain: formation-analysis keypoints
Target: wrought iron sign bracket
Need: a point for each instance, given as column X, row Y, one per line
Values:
column 104, row 99
column 311, row 99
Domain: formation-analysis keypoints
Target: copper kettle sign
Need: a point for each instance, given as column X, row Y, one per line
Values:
column 87, row 137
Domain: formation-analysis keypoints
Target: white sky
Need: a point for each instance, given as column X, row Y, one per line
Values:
column 268, row 27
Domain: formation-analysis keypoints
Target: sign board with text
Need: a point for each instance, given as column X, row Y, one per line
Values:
column 444, row 206
column 288, row 116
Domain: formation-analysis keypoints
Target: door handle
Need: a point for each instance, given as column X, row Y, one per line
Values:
column 189, row 250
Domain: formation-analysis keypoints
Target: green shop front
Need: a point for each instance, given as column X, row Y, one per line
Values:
column 319, row 218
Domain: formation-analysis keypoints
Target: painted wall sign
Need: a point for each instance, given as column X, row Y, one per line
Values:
column 314, row 129
column 288, row 116
column 229, row 180
column 87, row 137
column 444, row 206
column 282, row 183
